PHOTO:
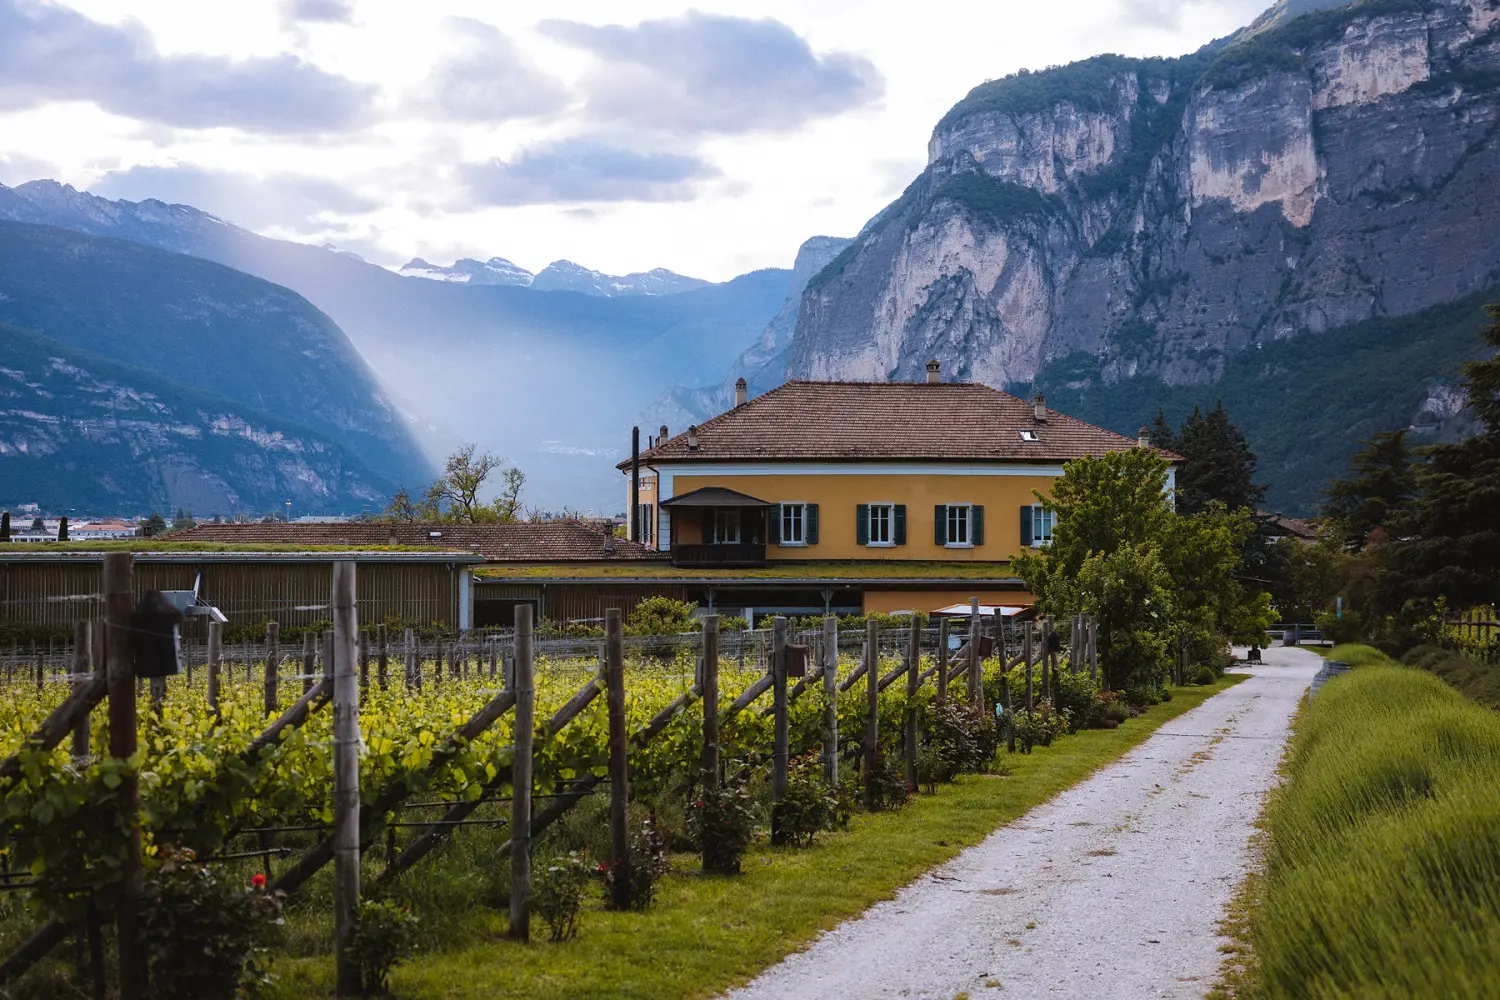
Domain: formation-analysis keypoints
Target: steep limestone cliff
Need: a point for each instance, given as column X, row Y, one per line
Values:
column 1122, row 218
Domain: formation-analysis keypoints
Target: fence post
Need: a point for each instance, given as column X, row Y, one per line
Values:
column 272, row 671
column 520, row 798
column 1028, row 650
column 119, row 598
column 382, row 657
column 1093, row 644
column 364, row 663
column 709, row 768
column 309, row 661
column 342, row 643
column 215, row 651
column 780, row 750
column 831, row 700
column 413, row 668
column 1047, row 657
column 942, row 661
column 913, row 671
column 976, row 688
column 619, row 762
column 83, row 664
column 872, row 705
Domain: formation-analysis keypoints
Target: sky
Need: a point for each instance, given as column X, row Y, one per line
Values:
column 711, row 138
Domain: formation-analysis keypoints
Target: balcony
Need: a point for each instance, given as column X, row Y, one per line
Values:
column 720, row 555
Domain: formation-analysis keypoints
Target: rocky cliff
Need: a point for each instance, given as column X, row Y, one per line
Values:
column 1123, row 218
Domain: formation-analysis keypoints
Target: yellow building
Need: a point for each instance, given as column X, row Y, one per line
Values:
column 857, row 472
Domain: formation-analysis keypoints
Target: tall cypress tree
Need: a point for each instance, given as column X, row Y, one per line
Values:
column 1217, row 463
column 1161, row 431
column 1380, row 486
column 1450, row 543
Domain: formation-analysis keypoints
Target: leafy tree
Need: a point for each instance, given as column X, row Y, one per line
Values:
column 153, row 526
column 183, row 520
column 1449, row 541
column 1380, row 485
column 37, row 524
column 1217, row 463
column 401, row 507
column 455, row 496
column 661, row 616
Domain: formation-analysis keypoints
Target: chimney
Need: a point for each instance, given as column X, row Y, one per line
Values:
column 693, row 438
column 934, row 372
column 609, row 539
column 1039, row 407
column 661, row 438
column 741, row 392
column 393, row 541
column 1144, row 440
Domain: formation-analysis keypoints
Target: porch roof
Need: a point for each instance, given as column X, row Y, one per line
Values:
column 714, row 496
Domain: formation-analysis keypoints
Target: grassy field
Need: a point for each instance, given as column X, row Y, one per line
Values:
column 1382, row 847
column 707, row 934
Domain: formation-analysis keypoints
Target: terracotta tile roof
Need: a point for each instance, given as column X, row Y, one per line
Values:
column 910, row 421
column 554, row 541
column 1291, row 526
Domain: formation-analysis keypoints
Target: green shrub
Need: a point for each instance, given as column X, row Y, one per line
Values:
column 648, row 863
column 887, row 782
column 1479, row 681
column 961, row 739
column 809, row 806
column 1040, row 727
column 557, row 893
column 1383, row 846
column 1078, row 695
column 205, row 935
column 385, row 933
column 1204, row 675
column 722, row 822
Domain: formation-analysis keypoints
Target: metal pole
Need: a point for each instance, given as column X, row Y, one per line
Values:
column 119, row 598
column 343, row 642
column 520, row 799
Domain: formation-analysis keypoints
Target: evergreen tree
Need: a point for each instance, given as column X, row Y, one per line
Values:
column 1161, row 431
column 1217, row 463
column 183, row 520
column 153, row 525
column 1449, row 544
column 1381, row 483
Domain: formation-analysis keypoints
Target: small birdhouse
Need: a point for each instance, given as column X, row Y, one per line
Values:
column 156, row 636
column 796, row 660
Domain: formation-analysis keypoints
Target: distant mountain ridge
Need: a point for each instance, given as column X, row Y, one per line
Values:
column 558, row 276
column 473, row 362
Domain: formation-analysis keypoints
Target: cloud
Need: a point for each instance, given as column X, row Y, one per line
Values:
column 584, row 170
column 331, row 11
column 17, row 168
column 280, row 200
column 52, row 53
column 709, row 73
column 490, row 81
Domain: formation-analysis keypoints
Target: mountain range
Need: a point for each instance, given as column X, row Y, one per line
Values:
column 558, row 276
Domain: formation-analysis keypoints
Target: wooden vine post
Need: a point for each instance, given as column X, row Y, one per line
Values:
column 413, row 666
column 520, row 799
column 942, row 662
column 215, row 651
column 709, row 768
column 273, row 668
column 382, row 658
column 831, row 700
column 913, row 675
column 976, row 685
column 1028, row 652
column 119, row 600
column 1046, row 657
column 872, row 710
column 619, row 758
column 309, row 661
column 780, row 748
column 1093, row 642
column 343, row 642
column 82, row 666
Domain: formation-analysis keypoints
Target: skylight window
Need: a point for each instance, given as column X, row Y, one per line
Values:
column 1029, row 436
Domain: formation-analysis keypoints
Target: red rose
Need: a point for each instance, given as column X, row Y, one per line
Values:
column 258, row 880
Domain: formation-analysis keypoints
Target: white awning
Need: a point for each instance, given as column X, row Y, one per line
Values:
column 985, row 610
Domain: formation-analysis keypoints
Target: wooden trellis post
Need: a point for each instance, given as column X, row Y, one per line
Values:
column 942, row 661
column 413, row 667
column 780, row 749
column 520, row 799
column 619, row 759
column 913, row 673
column 872, row 703
column 309, row 661
column 1028, row 652
column 215, row 650
column 831, row 700
column 342, row 643
column 119, row 601
column 382, row 657
column 83, row 665
column 273, row 668
column 709, row 767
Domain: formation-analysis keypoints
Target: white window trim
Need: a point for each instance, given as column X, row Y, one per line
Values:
column 1036, row 509
column 968, row 526
column 739, row 527
column 781, row 525
column 870, row 523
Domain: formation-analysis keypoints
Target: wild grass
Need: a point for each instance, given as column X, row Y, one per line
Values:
column 1383, row 845
column 707, row 934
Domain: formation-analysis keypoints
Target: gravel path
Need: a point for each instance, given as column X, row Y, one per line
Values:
column 1112, row 889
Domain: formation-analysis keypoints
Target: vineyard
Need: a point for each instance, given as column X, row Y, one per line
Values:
column 236, row 756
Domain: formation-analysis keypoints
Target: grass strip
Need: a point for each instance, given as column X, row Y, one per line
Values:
column 705, row 935
column 1382, row 846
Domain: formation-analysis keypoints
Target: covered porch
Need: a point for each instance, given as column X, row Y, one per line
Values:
column 714, row 526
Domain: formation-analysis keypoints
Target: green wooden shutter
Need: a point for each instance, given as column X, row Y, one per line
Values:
column 1026, row 526
column 862, row 523
column 976, row 524
column 773, row 529
column 940, row 524
column 810, row 524
column 899, row 534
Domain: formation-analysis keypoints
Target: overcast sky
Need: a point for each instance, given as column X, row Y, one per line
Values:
column 711, row 139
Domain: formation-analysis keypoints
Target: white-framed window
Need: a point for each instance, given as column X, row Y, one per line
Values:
column 727, row 527
column 1042, row 523
column 958, row 526
column 794, row 524
column 882, row 524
